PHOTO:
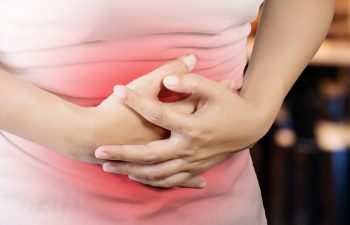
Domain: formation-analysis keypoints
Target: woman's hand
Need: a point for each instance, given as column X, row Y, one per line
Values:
column 226, row 122
column 222, row 124
column 112, row 122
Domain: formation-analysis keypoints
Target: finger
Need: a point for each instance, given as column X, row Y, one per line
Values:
column 229, row 84
column 195, row 84
column 176, row 180
column 151, row 153
column 195, row 182
column 151, row 83
column 207, row 163
column 151, row 172
column 154, row 111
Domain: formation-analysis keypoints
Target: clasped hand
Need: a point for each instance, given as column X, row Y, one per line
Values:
column 222, row 123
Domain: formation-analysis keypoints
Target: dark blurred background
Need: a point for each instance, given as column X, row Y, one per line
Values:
column 303, row 163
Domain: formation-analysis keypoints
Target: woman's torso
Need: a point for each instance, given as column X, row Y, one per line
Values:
column 79, row 50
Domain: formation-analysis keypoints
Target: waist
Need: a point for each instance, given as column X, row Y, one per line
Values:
column 86, row 74
column 89, row 85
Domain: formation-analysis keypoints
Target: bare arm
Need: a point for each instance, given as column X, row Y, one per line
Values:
column 44, row 118
column 40, row 116
column 289, row 34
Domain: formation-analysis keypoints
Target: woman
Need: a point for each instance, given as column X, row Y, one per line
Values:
column 60, row 61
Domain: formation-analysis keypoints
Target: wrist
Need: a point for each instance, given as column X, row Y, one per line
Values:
column 114, row 124
column 266, row 97
column 78, row 137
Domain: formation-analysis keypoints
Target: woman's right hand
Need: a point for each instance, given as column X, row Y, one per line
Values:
column 112, row 122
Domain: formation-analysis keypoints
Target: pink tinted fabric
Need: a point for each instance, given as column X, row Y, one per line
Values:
column 79, row 50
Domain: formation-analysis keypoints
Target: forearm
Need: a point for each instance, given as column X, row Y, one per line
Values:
column 37, row 115
column 44, row 118
column 289, row 34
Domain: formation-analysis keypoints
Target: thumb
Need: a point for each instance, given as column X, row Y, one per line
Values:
column 195, row 84
column 229, row 84
column 151, row 83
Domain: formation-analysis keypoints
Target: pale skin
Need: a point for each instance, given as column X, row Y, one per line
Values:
column 44, row 118
column 289, row 34
column 279, row 56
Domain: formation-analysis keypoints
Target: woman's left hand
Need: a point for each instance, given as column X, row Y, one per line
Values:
column 223, row 123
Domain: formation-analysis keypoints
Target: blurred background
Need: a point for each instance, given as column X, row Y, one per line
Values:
column 303, row 163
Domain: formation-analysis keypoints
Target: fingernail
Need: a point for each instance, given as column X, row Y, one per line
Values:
column 171, row 80
column 203, row 184
column 189, row 60
column 106, row 168
column 133, row 178
column 120, row 91
column 101, row 154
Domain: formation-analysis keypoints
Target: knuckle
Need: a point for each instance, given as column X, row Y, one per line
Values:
column 189, row 128
column 194, row 132
column 127, row 168
column 119, row 156
column 150, row 157
column 199, row 131
column 156, row 175
column 197, row 167
column 187, row 155
column 158, row 116
column 131, row 98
